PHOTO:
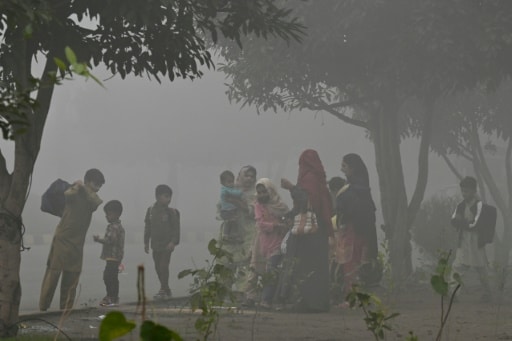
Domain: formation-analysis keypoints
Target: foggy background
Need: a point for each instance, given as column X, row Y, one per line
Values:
column 140, row 133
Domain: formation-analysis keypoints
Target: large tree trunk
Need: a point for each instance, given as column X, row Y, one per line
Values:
column 10, row 288
column 398, row 214
column 392, row 191
column 12, row 200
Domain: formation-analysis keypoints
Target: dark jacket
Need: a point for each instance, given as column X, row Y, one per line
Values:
column 484, row 222
column 162, row 226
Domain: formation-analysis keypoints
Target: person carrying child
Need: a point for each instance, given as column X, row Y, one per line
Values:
column 112, row 251
column 229, row 211
column 162, row 229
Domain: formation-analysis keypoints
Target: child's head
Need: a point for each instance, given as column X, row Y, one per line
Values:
column 163, row 194
column 468, row 188
column 227, row 178
column 336, row 183
column 94, row 178
column 113, row 210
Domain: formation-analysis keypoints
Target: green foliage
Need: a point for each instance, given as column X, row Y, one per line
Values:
column 114, row 325
column 150, row 331
column 376, row 317
column 210, row 288
column 14, row 105
column 445, row 287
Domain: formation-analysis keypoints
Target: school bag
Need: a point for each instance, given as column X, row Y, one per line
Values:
column 52, row 200
column 486, row 224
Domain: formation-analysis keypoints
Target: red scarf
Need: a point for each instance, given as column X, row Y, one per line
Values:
column 312, row 179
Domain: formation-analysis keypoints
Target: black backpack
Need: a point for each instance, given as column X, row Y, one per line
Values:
column 53, row 200
column 486, row 224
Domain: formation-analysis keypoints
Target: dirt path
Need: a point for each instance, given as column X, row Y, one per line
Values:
column 419, row 312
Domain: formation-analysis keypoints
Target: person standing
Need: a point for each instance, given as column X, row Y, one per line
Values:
column 269, row 212
column 242, row 249
column 66, row 252
column 112, row 251
column 162, row 230
column 306, row 264
column 466, row 218
column 355, row 212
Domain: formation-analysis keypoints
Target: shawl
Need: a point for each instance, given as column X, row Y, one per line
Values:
column 277, row 207
column 312, row 179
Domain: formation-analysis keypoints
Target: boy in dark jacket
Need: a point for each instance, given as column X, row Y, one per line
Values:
column 162, row 229
column 112, row 252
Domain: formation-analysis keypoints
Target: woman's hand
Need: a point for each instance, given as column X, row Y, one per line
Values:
column 286, row 184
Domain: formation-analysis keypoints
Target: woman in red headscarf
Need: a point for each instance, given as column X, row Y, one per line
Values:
column 304, row 280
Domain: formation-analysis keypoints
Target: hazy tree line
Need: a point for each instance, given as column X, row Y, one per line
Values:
column 431, row 69
column 436, row 70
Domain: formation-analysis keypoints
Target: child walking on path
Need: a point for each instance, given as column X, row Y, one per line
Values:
column 162, row 229
column 112, row 251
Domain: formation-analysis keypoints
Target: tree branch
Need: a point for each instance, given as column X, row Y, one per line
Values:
column 508, row 172
column 422, row 179
column 486, row 173
column 450, row 165
column 326, row 107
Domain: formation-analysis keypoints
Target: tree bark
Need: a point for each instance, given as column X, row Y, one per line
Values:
column 13, row 197
column 10, row 288
column 392, row 189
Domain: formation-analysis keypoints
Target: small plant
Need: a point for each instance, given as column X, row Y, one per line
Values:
column 387, row 274
column 444, row 287
column 115, row 324
column 376, row 317
column 210, row 288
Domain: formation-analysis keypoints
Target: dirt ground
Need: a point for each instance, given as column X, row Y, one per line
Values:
column 419, row 309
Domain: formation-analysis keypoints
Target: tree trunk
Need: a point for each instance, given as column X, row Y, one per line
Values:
column 12, row 202
column 392, row 190
column 10, row 288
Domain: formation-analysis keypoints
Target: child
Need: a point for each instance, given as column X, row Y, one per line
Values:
column 112, row 251
column 470, row 253
column 162, row 228
column 269, row 212
column 229, row 212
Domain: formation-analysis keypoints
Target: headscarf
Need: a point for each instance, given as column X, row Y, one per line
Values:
column 359, row 174
column 274, row 205
column 312, row 178
column 241, row 184
column 249, row 188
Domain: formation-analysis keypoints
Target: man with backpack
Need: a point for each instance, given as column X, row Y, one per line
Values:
column 475, row 222
column 66, row 252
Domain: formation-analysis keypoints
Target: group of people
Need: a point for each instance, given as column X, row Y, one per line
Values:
column 305, row 257
column 161, row 234
column 288, row 250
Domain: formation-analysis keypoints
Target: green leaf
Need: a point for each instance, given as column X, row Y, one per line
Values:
column 60, row 64
column 151, row 331
column 114, row 325
column 70, row 55
column 439, row 285
column 80, row 69
column 27, row 32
